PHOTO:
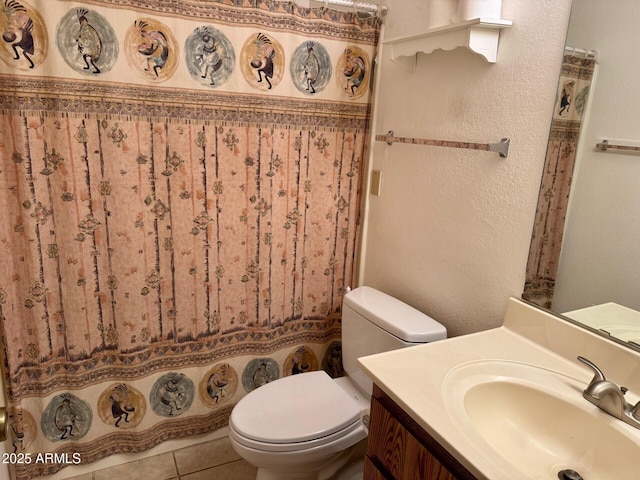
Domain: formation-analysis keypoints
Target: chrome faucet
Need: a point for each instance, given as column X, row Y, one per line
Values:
column 609, row 397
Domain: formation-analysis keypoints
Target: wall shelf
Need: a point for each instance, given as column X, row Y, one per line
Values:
column 479, row 35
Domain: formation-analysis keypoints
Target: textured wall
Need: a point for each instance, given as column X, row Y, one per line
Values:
column 451, row 230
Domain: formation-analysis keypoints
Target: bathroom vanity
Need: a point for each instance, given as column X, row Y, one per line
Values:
column 400, row 449
column 501, row 404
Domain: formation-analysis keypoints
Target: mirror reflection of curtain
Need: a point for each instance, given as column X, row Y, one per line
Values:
column 573, row 91
column 179, row 200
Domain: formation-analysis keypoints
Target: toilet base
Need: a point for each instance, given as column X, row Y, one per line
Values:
column 348, row 465
column 325, row 472
column 353, row 470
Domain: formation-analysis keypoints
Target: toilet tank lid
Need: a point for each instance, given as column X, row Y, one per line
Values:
column 394, row 316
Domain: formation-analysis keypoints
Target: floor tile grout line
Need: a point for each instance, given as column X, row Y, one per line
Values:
column 175, row 464
column 215, row 466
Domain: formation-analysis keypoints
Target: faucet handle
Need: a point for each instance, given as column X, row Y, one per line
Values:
column 598, row 375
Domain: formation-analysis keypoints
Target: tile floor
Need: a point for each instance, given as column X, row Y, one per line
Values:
column 215, row 460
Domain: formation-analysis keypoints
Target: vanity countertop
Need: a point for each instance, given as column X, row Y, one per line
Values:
column 415, row 377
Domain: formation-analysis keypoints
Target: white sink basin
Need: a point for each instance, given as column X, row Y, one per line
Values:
column 537, row 421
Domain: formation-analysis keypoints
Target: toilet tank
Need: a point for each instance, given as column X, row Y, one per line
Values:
column 374, row 322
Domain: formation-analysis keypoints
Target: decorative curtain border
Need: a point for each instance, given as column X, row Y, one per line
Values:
column 283, row 15
column 86, row 99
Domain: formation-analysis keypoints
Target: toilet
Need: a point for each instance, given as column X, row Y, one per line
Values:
column 306, row 426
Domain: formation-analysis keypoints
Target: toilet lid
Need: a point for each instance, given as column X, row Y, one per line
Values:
column 294, row 409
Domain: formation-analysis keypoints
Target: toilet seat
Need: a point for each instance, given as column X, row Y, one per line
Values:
column 295, row 413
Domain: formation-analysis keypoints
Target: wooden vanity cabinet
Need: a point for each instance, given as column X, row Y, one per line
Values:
column 400, row 449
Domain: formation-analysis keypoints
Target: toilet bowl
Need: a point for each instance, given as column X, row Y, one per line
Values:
column 298, row 428
column 305, row 426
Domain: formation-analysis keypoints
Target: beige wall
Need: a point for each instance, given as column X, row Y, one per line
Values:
column 450, row 232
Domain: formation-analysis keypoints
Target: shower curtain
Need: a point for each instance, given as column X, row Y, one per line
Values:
column 573, row 92
column 179, row 190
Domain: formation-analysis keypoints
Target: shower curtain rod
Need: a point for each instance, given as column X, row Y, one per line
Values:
column 369, row 7
column 501, row 148
column 581, row 52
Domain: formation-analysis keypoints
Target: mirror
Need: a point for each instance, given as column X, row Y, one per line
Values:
column 594, row 275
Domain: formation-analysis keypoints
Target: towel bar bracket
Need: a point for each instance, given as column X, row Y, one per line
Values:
column 501, row 148
column 389, row 134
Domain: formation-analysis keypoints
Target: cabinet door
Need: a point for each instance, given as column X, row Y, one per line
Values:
column 387, row 441
column 396, row 454
column 371, row 472
column 420, row 464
